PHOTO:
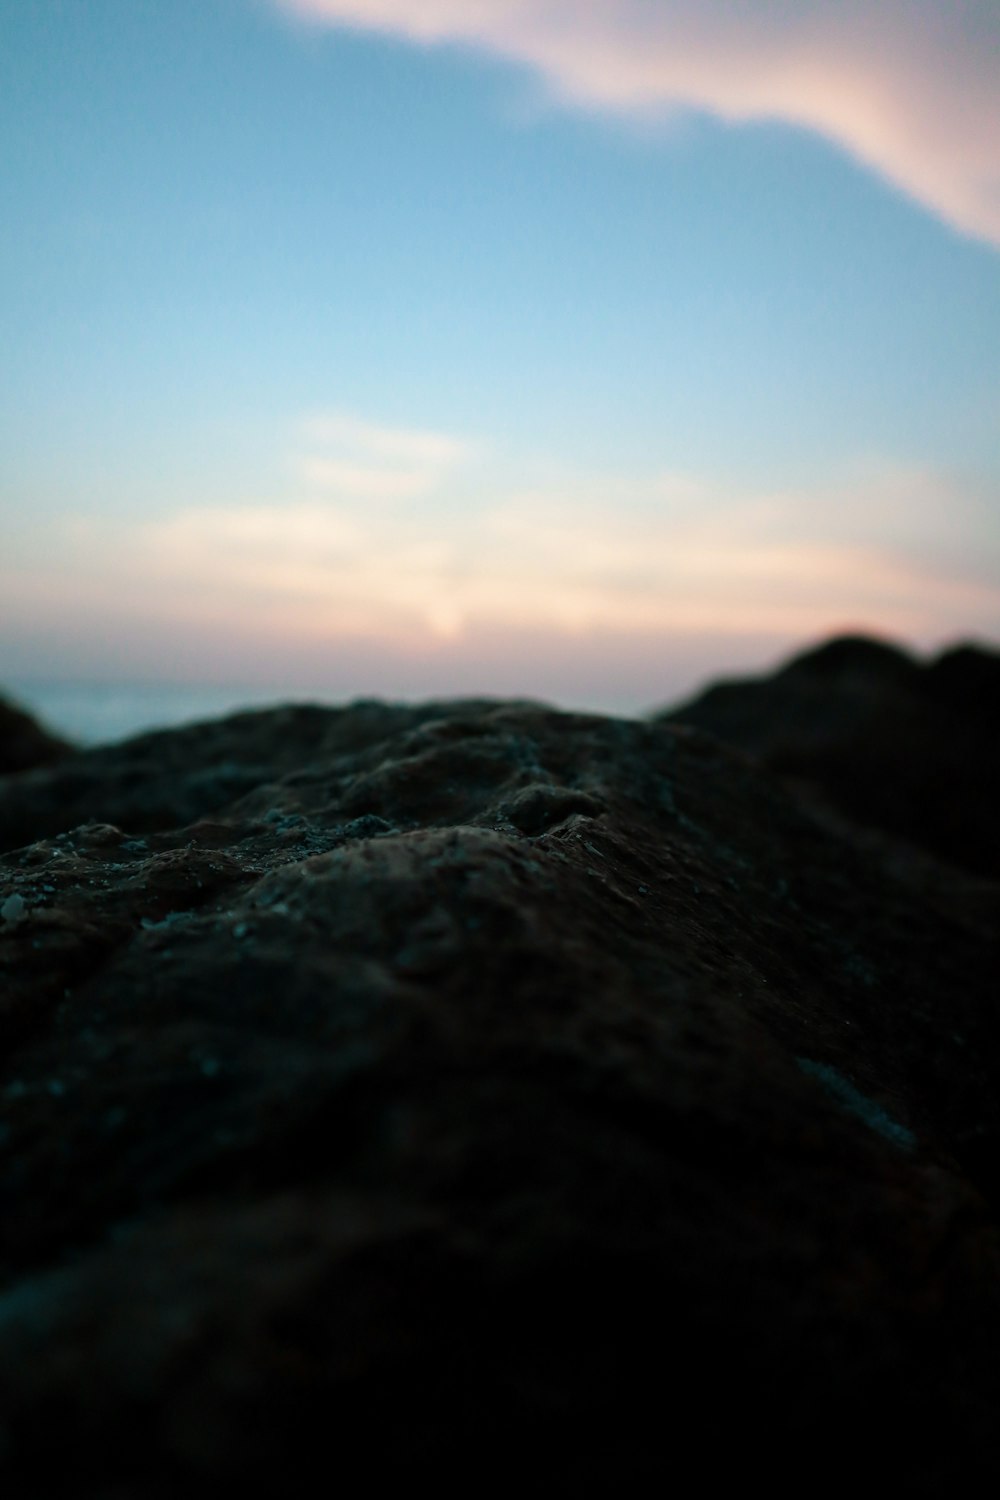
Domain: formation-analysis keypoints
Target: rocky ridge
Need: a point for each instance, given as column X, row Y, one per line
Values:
column 473, row 1089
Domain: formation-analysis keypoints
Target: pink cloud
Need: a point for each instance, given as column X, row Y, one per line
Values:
column 553, row 564
column 910, row 87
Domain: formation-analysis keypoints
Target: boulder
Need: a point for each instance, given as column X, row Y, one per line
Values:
column 479, row 1095
column 908, row 747
column 23, row 741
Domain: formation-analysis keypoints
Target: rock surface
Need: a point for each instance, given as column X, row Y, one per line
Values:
column 483, row 1095
column 890, row 742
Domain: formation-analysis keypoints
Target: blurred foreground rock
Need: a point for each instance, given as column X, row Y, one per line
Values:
column 487, row 1096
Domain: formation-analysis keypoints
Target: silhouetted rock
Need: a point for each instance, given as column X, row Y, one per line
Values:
column 908, row 748
column 967, row 680
column 23, row 741
column 484, row 1096
column 857, row 660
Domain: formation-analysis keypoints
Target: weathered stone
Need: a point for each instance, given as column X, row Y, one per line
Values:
column 169, row 778
column 487, row 1095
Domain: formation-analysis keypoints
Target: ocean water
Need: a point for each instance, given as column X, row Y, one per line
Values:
column 90, row 713
column 98, row 713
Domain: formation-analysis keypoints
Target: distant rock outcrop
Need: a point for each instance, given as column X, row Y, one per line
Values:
column 909, row 748
column 24, row 743
column 487, row 1097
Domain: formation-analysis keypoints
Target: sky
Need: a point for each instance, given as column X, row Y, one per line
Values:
column 573, row 349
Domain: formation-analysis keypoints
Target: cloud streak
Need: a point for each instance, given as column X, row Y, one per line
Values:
column 545, row 590
column 909, row 87
column 348, row 456
column 690, row 558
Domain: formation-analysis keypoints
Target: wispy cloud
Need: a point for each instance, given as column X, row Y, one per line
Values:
column 354, row 459
column 909, row 87
column 601, row 590
column 369, row 483
column 684, row 555
column 408, row 445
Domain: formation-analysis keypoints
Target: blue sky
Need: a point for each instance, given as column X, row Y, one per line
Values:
column 371, row 347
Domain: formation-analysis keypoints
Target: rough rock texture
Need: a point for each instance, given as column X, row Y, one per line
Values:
column 167, row 779
column 913, row 749
column 486, row 1096
column 23, row 741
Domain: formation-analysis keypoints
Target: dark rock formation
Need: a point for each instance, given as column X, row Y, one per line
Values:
column 23, row 741
column 485, row 1096
column 913, row 749
column 167, row 779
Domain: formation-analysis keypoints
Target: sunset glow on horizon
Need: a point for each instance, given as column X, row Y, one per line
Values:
column 572, row 351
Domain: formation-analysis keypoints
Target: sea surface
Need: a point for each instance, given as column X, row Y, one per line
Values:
column 100, row 713
column 90, row 713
